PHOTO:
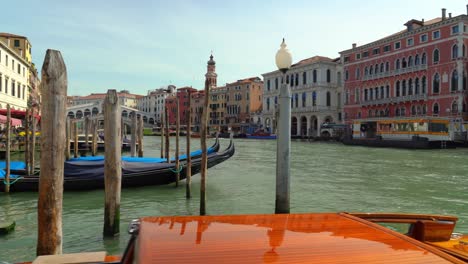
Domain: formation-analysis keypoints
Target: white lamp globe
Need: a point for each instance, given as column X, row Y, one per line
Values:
column 283, row 58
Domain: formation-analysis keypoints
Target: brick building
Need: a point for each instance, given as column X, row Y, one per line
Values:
column 171, row 103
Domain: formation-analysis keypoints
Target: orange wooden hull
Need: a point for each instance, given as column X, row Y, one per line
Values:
column 285, row 238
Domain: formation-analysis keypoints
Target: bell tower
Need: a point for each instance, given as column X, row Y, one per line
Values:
column 211, row 75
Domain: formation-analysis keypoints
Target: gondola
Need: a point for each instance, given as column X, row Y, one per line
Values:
column 89, row 175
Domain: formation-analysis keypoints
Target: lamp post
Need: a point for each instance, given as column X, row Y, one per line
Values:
column 283, row 61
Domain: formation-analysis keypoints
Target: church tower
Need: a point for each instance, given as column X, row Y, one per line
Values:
column 211, row 75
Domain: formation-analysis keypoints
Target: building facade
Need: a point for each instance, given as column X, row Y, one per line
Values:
column 420, row 71
column 316, row 95
column 171, row 103
column 14, row 78
column 217, row 109
column 243, row 98
column 153, row 103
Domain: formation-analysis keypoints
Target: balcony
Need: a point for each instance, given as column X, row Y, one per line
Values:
column 312, row 109
column 408, row 98
column 395, row 72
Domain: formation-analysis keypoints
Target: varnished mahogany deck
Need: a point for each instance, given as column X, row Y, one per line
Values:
column 286, row 238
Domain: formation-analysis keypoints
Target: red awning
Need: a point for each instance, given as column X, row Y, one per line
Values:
column 14, row 121
column 20, row 114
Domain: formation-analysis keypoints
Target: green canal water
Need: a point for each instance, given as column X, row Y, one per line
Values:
column 325, row 177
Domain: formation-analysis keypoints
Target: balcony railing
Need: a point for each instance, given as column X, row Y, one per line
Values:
column 414, row 97
column 414, row 68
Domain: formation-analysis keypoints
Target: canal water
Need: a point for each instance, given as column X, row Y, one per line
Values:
column 325, row 177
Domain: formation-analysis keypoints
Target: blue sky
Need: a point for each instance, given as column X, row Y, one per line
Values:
column 141, row 45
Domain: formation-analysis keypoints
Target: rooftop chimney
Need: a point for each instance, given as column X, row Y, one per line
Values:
column 354, row 45
column 450, row 15
column 443, row 13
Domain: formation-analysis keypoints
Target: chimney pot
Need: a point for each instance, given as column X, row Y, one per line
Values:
column 354, row 45
column 443, row 13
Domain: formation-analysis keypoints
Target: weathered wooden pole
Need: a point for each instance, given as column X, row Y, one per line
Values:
column 204, row 160
column 140, row 137
column 188, row 169
column 134, row 132
column 67, row 146
column 86, row 132
column 94, row 144
column 32, row 149
column 166, row 116
column 177, row 142
column 26, row 141
column 75, row 135
column 53, row 110
column 112, row 163
column 162, row 134
column 7, row 150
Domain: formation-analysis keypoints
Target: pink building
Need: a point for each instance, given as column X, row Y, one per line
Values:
column 182, row 94
column 417, row 72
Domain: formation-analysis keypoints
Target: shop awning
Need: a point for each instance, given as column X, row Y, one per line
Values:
column 14, row 121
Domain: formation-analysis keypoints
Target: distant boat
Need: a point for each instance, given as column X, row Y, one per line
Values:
column 261, row 135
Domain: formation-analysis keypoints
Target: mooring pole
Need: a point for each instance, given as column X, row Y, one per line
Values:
column 177, row 142
column 166, row 116
column 133, row 136
column 86, row 129
column 140, row 137
column 204, row 160
column 75, row 134
column 7, row 150
column 188, row 169
column 94, row 144
column 53, row 111
column 32, row 149
column 26, row 141
column 112, row 163
column 162, row 134
column 68, row 148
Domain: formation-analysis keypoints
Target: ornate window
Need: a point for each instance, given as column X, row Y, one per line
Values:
column 435, row 57
column 436, row 84
column 435, row 109
column 454, row 81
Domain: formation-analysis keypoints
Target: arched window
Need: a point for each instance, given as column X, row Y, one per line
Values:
column 418, row 110
column 435, row 109
column 371, row 70
column 376, row 69
column 366, row 71
column 314, row 76
column 403, row 111
column 268, row 104
column 387, row 91
column 454, row 107
column 424, row 59
column 416, row 86
column 410, row 61
column 369, row 113
column 381, row 67
column 403, row 88
column 297, row 79
column 416, row 59
column 328, row 99
column 276, row 100
column 291, row 80
column 454, row 81
column 436, row 83
column 397, row 112
column 403, row 63
column 314, row 98
column 287, row 79
column 304, row 97
column 424, row 109
column 410, row 87
column 268, row 85
column 455, row 51
column 357, row 74
column 276, row 83
column 366, row 95
column 376, row 113
column 297, row 100
column 413, row 110
column 397, row 89
column 435, row 57
column 304, row 78
column 328, row 76
column 387, row 66
column 423, row 85
column 397, row 64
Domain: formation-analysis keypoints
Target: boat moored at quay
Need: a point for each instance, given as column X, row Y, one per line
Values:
column 412, row 132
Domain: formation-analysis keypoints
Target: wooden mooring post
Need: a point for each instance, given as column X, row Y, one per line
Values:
column 177, row 142
column 26, row 141
column 133, row 136
column 188, row 170
column 86, row 133
column 162, row 134
column 166, row 116
column 67, row 146
column 7, row 150
column 53, row 110
column 32, row 149
column 112, row 163
column 75, row 135
column 140, row 137
column 204, row 161
column 95, row 135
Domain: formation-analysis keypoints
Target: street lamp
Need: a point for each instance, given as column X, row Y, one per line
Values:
column 283, row 61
